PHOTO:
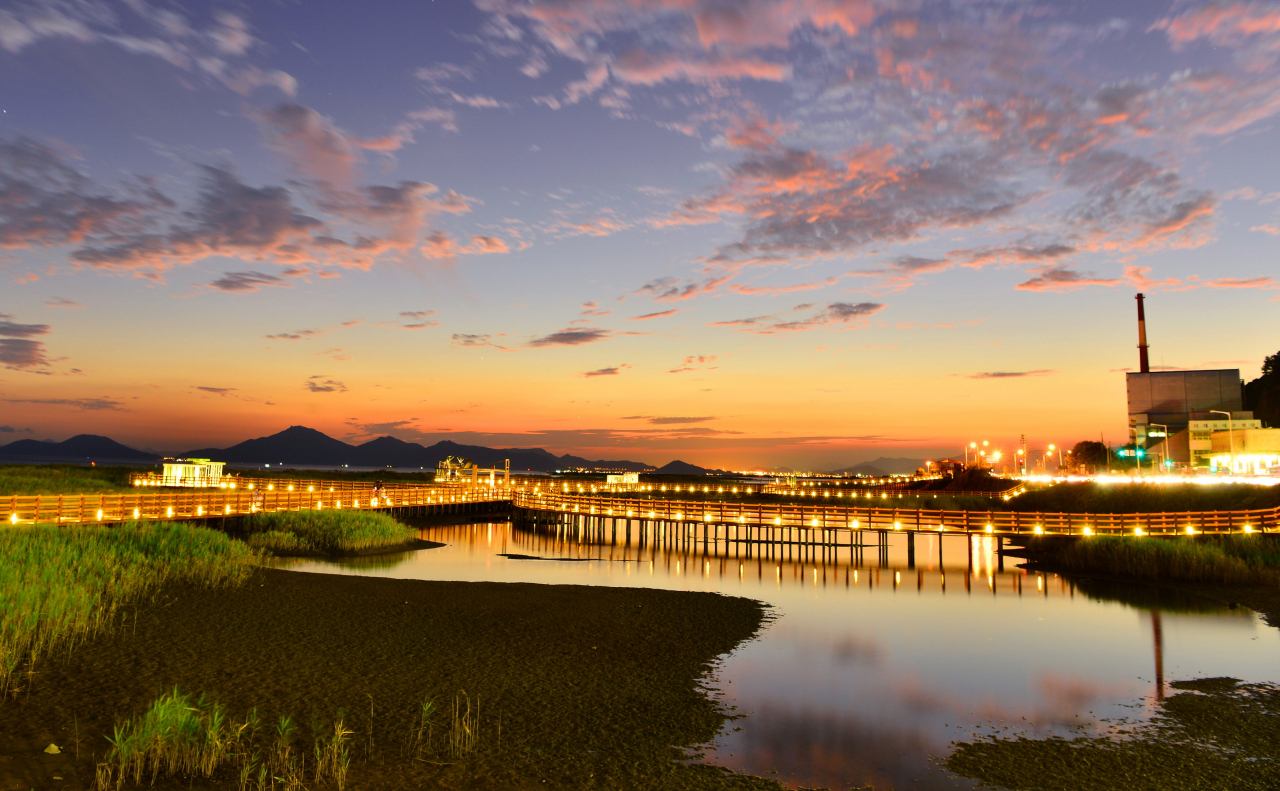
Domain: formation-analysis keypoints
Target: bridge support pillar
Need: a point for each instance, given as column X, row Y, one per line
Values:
column 911, row 549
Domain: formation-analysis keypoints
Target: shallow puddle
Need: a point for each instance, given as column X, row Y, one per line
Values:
column 871, row 669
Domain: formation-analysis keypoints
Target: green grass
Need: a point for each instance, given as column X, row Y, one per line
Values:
column 325, row 532
column 181, row 737
column 1227, row 560
column 32, row 479
column 60, row 586
column 1215, row 733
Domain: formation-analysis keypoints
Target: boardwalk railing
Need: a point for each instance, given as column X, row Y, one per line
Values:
column 267, row 495
column 880, row 518
column 214, row 503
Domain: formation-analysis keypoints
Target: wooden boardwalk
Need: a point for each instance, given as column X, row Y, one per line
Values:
column 552, row 498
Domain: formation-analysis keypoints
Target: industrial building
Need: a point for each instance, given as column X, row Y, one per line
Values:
column 1177, row 416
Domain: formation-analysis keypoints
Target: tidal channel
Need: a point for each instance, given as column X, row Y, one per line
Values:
column 871, row 666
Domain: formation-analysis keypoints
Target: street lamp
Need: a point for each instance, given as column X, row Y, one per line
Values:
column 1164, row 444
column 1231, row 435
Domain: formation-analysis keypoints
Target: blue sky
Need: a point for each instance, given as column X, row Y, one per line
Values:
column 804, row 232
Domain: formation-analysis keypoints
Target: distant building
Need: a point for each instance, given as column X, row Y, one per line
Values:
column 192, row 472
column 624, row 477
column 951, row 467
column 1251, row 450
column 1162, row 404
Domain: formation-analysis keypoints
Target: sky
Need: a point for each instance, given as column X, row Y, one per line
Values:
column 743, row 233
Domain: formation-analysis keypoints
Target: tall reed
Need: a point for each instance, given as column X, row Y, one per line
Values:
column 326, row 532
column 30, row 479
column 1231, row 560
column 60, row 586
column 464, row 726
column 181, row 737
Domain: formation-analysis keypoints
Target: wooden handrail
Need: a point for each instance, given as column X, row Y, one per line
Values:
column 188, row 503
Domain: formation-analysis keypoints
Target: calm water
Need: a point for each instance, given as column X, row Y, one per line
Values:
column 869, row 672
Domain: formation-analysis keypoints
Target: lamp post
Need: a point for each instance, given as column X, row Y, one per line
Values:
column 1231, row 435
column 1164, row 444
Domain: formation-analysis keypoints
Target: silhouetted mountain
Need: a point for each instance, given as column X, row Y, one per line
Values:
column 866, row 468
column 294, row 445
column 79, row 447
column 301, row 445
column 884, row 466
column 678, row 467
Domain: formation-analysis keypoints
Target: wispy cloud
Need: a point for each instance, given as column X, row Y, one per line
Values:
column 662, row 314
column 17, row 351
column 1009, row 374
column 573, row 336
column 296, row 335
column 247, row 282
column 835, row 315
column 103, row 404
column 614, row 371
column 663, row 421
column 696, row 362
column 220, row 391
column 59, row 302
column 463, row 339
column 321, row 384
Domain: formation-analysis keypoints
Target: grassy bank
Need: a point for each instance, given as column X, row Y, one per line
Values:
column 325, row 532
column 60, row 586
column 1133, row 498
column 1219, row 560
column 31, row 479
column 1215, row 733
column 528, row 686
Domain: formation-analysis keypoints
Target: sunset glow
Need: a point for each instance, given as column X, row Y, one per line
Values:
column 742, row 234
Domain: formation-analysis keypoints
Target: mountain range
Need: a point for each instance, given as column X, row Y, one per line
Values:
column 302, row 445
column 299, row 445
column 884, row 466
column 79, row 447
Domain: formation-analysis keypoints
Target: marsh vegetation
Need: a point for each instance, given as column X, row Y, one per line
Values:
column 61, row 586
column 33, row 479
column 1222, row 560
column 324, row 532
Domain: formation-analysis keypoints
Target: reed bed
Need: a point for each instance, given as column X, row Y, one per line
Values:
column 31, row 479
column 60, row 586
column 325, row 532
column 1228, row 560
column 181, row 737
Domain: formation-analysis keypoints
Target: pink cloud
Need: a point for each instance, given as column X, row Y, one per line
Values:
column 659, row 315
column 837, row 315
column 639, row 66
column 1060, row 278
column 1221, row 24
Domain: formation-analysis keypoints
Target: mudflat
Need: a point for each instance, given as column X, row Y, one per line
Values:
column 577, row 687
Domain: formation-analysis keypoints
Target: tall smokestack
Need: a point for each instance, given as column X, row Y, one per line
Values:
column 1143, row 365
